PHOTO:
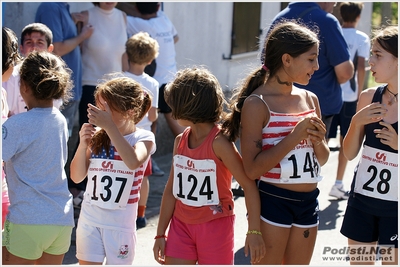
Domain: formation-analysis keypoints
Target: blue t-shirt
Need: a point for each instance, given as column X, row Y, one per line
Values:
column 34, row 149
column 57, row 17
column 333, row 51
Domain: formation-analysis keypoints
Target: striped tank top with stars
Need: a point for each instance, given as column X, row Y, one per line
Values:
column 138, row 173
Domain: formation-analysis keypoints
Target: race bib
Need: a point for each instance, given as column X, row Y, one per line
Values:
column 195, row 181
column 109, row 183
column 300, row 165
column 377, row 174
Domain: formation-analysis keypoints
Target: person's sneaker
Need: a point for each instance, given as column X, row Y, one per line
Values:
column 339, row 193
column 141, row 222
column 156, row 171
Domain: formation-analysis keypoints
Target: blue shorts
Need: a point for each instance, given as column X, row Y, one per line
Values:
column 286, row 208
column 343, row 119
column 364, row 227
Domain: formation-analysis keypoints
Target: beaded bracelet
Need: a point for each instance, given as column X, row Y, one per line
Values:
column 253, row 232
column 160, row 236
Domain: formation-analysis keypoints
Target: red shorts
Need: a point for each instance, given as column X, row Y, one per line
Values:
column 210, row 243
column 147, row 171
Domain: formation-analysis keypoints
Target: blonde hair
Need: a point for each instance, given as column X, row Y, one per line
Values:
column 141, row 48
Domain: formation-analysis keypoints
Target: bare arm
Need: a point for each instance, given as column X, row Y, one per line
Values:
column 152, row 114
column 85, row 30
column 256, row 161
column 229, row 155
column 366, row 113
column 344, row 71
column 317, row 136
column 80, row 162
column 176, row 38
column 360, row 74
column 134, row 156
column 166, row 211
column 66, row 46
column 125, row 62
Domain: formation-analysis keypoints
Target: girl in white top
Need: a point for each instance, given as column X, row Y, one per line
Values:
column 113, row 157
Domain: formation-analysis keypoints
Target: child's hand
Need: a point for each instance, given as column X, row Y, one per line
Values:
column 256, row 245
column 302, row 127
column 100, row 118
column 387, row 135
column 317, row 133
column 371, row 113
column 85, row 134
column 159, row 250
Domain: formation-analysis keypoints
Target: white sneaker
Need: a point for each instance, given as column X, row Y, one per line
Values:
column 339, row 193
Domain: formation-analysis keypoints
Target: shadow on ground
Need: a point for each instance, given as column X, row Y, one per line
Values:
column 328, row 217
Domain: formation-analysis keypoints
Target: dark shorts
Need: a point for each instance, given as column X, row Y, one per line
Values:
column 364, row 227
column 285, row 208
column 343, row 119
column 162, row 105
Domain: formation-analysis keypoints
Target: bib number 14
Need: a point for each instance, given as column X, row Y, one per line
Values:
column 310, row 166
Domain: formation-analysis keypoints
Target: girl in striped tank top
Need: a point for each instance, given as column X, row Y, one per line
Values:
column 283, row 142
column 113, row 157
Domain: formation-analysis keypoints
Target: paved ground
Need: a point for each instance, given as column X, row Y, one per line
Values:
column 331, row 217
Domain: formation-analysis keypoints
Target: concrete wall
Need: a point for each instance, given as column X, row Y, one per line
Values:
column 204, row 29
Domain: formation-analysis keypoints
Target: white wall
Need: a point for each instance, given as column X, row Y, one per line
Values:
column 204, row 29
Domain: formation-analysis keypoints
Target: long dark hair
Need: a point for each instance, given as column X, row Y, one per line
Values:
column 286, row 37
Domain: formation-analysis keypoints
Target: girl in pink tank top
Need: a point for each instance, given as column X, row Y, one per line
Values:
column 197, row 203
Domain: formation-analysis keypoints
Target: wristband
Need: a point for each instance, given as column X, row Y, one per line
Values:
column 253, row 232
column 160, row 236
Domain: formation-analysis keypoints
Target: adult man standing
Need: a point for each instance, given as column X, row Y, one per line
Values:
column 335, row 65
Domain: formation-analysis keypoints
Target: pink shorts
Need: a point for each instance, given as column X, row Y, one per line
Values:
column 210, row 243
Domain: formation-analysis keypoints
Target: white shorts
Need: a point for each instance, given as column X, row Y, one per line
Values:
column 95, row 243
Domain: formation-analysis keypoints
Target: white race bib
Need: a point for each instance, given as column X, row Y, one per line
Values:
column 377, row 174
column 300, row 165
column 195, row 181
column 109, row 183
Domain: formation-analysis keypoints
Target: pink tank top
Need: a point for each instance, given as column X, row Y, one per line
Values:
column 202, row 183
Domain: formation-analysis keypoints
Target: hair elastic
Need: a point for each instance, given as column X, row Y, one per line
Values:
column 265, row 67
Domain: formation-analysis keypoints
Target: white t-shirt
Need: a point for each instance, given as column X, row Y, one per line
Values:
column 359, row 46
column 161, row 29
column 102, row 52
column 151, row 86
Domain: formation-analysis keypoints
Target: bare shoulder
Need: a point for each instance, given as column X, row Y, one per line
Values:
column 221, row 145
column 367, row 94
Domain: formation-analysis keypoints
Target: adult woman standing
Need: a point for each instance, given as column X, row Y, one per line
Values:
column 102, row 52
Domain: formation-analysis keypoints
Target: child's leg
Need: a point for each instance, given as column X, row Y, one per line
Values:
column 300, row 245
column 49, row 259
column 10, row 259
column 275, row 239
